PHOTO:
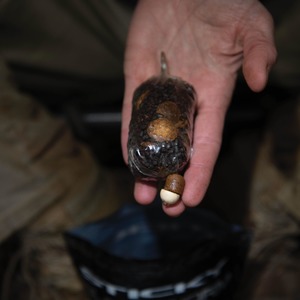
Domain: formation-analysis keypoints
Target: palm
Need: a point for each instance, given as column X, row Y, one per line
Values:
column 206, row 42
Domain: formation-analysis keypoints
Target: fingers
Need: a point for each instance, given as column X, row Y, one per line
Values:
column 257, row 63
column 174, row 210
column 207, row 142
column 259, row 54
column 144, row 191
column 126, row 115
column 206, row 147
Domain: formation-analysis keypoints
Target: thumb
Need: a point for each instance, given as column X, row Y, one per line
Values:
column 259, row 56
column 257, row 64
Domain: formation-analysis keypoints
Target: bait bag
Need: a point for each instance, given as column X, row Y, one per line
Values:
column 140, row 253
column 160, row 131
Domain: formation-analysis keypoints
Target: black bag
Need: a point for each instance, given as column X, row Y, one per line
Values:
column 140, row 253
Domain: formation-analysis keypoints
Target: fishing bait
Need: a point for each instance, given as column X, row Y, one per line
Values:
column 160, row 131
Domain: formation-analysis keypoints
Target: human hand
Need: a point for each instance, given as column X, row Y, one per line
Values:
column 206, row 43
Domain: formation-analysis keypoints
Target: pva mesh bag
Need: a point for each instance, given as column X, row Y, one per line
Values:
column 161, row 130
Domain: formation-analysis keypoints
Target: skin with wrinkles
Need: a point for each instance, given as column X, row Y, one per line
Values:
column 206, row 42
